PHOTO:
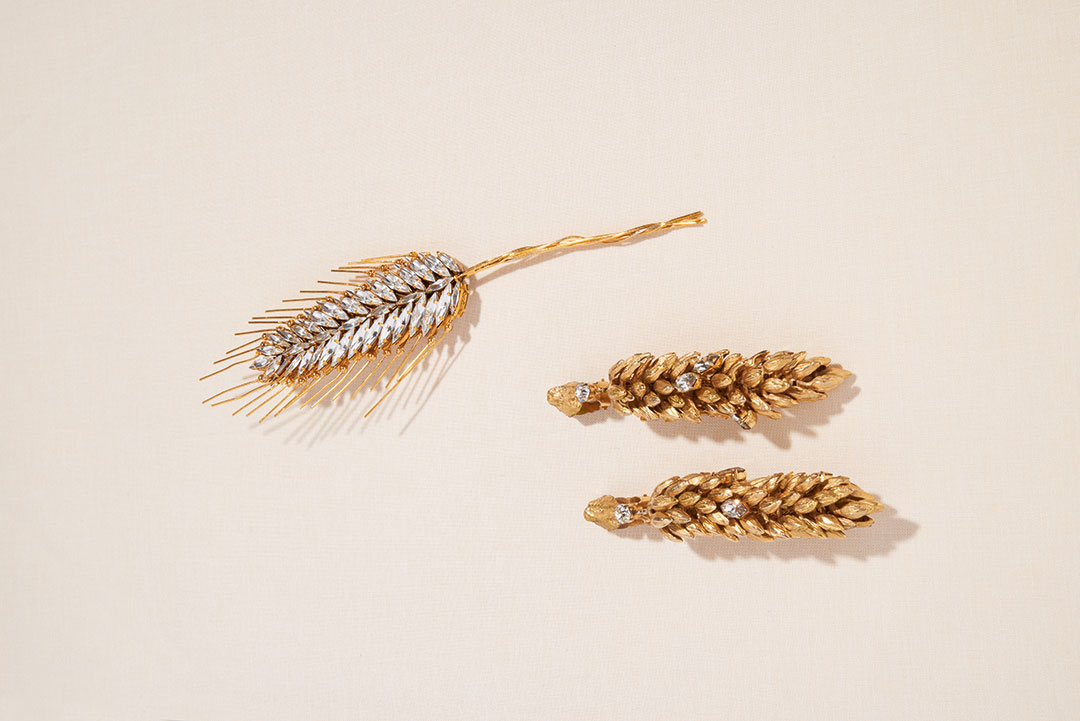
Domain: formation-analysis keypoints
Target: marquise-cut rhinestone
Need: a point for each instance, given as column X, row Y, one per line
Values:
column 421, row 269
column 270, row 350
column 286, row 336
column 701, row 366
column 383, row 291
column 622, row 514
column 358, row 338
column 387, row 329
column 449, row 262
column 455, row 300
column 261, row 362
column 301, row 331
column 352, row 305
column 323, row 319
column 428, row 321
column 351, row 323
column 416, row 315
column 293, row 365
column 444, row 305
column 339, row 352
column 436, row 265
column 438, row 285
column 402, row 325
column 333, row 310
column 366, row 297
column 372, row 335
column 321, row 336
column 396, row 283
column 409, row 277
column 733, row 508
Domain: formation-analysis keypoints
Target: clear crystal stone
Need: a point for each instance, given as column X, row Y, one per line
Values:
column 444, row 305
column 387, row 330
column 274, row 338
column 309, row 359
column 339, row 352
column 323, row 319
column 449, row 262
column 296, row 348
column 365, row 296
column 287, row 336
column 428, row 321
column 261, row 362
column 687, row 382
column 302, row 331
column 402, row 323
column 321, row 336
column 422, row 270
column 582, row 392
column 622, row 513
column 333, row 310
column 371, row 332
column 701, row 366
column 733, row 508
column 358, row 338
column 273, row 368
column 438, row 285
column 416, row 315
column 455, row 300
column 351, row 323
column 270, row 350
column 352, row 305
column 396, row 283
column 383, row 291
column 410, row 277
column 294, row 364
column 436, row 265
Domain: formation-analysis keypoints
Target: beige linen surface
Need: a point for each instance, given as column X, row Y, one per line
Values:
column 894, row 185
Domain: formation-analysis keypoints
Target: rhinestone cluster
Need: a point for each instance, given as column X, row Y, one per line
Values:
column 410, row 297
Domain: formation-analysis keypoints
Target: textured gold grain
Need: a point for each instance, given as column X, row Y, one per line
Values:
column 783, row 505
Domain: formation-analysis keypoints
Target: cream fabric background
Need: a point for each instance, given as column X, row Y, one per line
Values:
column 894, row 185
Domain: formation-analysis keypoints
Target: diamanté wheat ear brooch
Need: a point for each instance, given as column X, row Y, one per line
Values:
column 377, row 326
column 672, row 387
column 783, row 505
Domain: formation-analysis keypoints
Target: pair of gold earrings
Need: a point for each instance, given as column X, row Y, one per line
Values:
column 374, row 326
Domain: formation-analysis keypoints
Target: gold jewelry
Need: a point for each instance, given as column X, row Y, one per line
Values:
column 784, row 505
column 672, row 387
column 392, row 309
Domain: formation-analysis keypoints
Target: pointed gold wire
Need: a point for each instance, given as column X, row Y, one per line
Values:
column 272, row 397
column 276, row 406
column 235, row 355
column 297, row 392
column 233, row 350
column 269, row 388
column 245, row 383
column 359, row 370
column 222, row 370
column 343, row 373
column 366, row 379
column 236, row 398
column 405, row 375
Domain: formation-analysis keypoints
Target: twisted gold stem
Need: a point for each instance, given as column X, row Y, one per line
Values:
column 575, row 241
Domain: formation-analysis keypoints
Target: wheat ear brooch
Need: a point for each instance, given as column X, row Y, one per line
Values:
column 672, row 387
column 783, row 505
column 376, row 326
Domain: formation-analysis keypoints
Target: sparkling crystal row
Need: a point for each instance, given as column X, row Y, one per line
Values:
column 412, row 296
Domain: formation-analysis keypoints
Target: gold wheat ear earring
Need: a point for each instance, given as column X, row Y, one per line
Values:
column 784, row 505
column 375, row 326
column 672, row 387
